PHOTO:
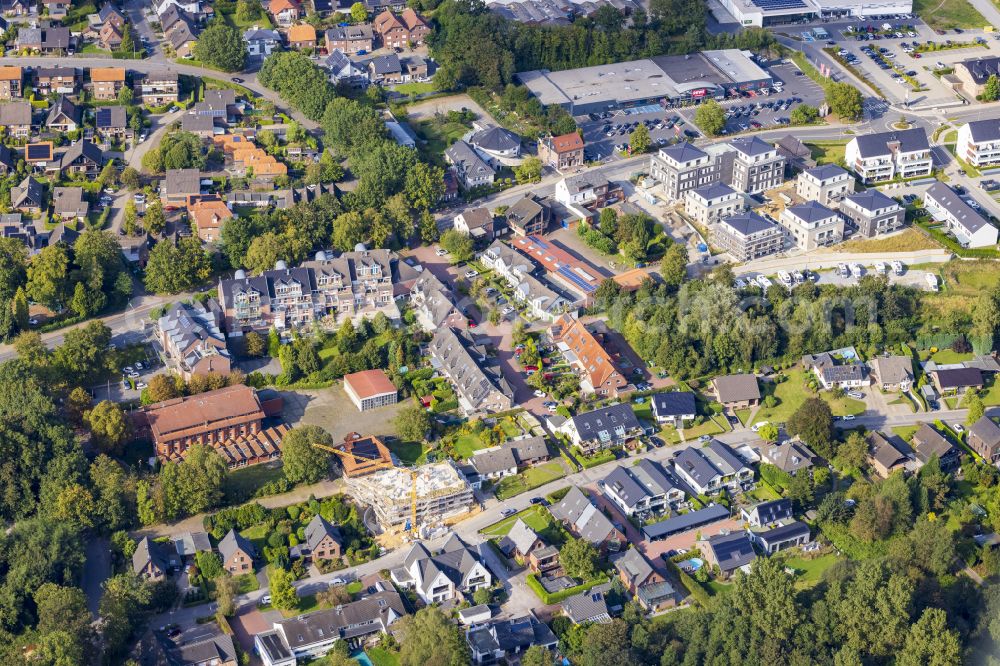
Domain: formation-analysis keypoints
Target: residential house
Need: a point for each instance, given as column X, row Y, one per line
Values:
column 496, row 142
column 975, row 72
column 685, row 522
column 343, row 69
column 752, row 165
column 83, row 159
column 261, row 42
column 561, row 152
column 812, row 225
column 180, row 28
column 494, row 463
column 475, row 222
column 767, row 513
column 238, row 554
column 797, row 154
column 832, row 374
column 110, row 37
column 737, row 391
column 528, row 216
column 589, row 607
column 57, row 9
column 109, row 14
column 928, row 442
column 645, row 488
column 302, row 36
column 8, row 157
column 47, row 38
column 472, row 169
column 350, row 39
column 585, row 352
column 68, row 204
column 378, row 6
column 480, row 388
column 179, row 186
column 883, row 456
column 10, row 82
column 415, row 25
column 709, row 204
column 502, row 641
column 589, row 190
column 892, row 373
column 41, row 157
column 582, row 517
column 325, row 541
column 682, row 167
column 311, row 636
column 984, row 439
column 213, row 649
column 385, row 69
column 602, row 428
column 826, row 184
column 61, row 80
column 673, row 408
column 200, row 124
column 644, row 583
column 887, row 155
column 790, row 456
column 781, row 537
column 156, row 88
column 149, row 561
column 370, row 389
column 957, row 380
column 454, row 571
column 16, row 118
column 712, row 468
column 63, row 116
column 872, row 213
column 284, row 12
column 28, row 197
column 107, row 82
column 192, row 341
column 391, row 30
column 111, row 123
column 520, row 541
column 14, row 8
column 729, row 552
column 979, row 143
column 748, row 236
column 189, row 544
column 969, row 227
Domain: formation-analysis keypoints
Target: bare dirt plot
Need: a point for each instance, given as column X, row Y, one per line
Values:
column 333, row 411
column 441, row 105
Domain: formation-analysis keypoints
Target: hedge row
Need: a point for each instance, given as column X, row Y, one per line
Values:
column 553, row 598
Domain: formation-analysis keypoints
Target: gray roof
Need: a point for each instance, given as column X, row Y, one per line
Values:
column 182, row 181
column 892, row 369
column 528, row 448
column 234, row 541
column 956, row 378
column 634, row 565
column 585, row 180
column 511, row 636
column 872, row 200
column 69, row 201
column 474, row 382
column 190, row 543
column 63, row 106
column 736, row 388
column 929, row 442
column 811, row 211
column 57, row 71
column 773, row 511
column 985, row 130
column 987, row 431
column 790, row 456
column 843, row 373
column 683, row 152
column 147, row 551
column 585, row 519
column 455, row 560
column 197, row 122
column 496, row 139
column 747, row 223
column 217, row 648
column 982, row 69
column 111, row 117
column 964, row 214
column 901, row 141
column 493, row 460
column 373, row 614
column 468, row 160
column 261, row 35
column 732, row 551
column 751, row 146
column 386, row 64
column 673, row 403
column 781, row 533
column 318, row 529
column 793, row 146
column 644, row 480
column 343, row 33
column 884, row 451
column 826, row 172
column 29, row 191
column 589, row 606
column 526, row 208
column 684, row 522
column 521, row 537
column 714, row 191
column 601, row 423
column 84, row 149
column 15, row 113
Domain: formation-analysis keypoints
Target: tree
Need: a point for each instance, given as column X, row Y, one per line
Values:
column 73, row 506
column 175, row 268
column 710, row 117
column 412, row 422
column 579, row 559
column 673, row 266
column 254, row 344
column 303, row 462
column 813, row 422
column 155, row 221
column 536, row 655
column 428, row 227
column 335, row 595
column 283, row 594
column 125, row 96
column 63, row 609
column 226, row 589
column 209, row 564
column 163, row 387
column 107, row 426
column 639, row 139
column 264, row 251
column 975, row 406
column 48, row 276
column 221, row 46
column 804, row 114
column 606, row 645
column 123, row 605
column 113, row 495
column 528, row 171
column 768, row 432
column 845, row 100
column 358, row 12
column 194, row 484
column 109, row 175
column 83, row 355
column 991, row 91
column 19, row 307
column 248, row 10
column 458, row 245
column 131, row 215
column 130, row 178
column 424, row 186
column 930, row 642
column 853, row 453
column 429, row 637
column 77, row 402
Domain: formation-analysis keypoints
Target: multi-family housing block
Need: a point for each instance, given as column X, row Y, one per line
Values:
column 826, row 184
column 811, row 225
column 888, row 155
column 969, row 227
column 748, row 236
column 586, row 353
column 751, row 165
column 872, row 213
column 682, row 167
column 710, row 203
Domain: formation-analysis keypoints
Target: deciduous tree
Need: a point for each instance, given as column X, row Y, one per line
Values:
column 108, row 426
column 710, row 117
column 429, row 637
column 412, row 422
column 303, row 462
column 221, row 46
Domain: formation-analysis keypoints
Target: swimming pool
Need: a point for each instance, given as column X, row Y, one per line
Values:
column 693, row 564
column 361, row 658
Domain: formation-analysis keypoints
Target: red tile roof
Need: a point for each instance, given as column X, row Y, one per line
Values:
column 369, row 383
column 566, row 142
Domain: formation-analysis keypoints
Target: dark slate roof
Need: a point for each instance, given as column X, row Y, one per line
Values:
column 183, row 181
column 697, row 466
column 625, row 486
column 982, row 68
column 634, row 484
column 511, row 636
column 147, row 551
column 687, row 521
column 929, row 442
column 811, row 211
column 318, row 528
column 386, row 64
column 747, row 223
column 985, row 130
column 884, row 451
column 370, row 615
column 683, row 152
column 872, row 200
column 843, row 373
column 781, row 533
column 63, row 106
column 83, row 149
column 732, row 551
column 496, row 139
column 875, row 145
column 773, row 511
column 736, row 388
column 587, row 520
column 674, row 403
column 714, row 191
column 215, row 649
column 588, row 605
column 826, row 172
column 233, row 541
column 493, row 460
column 751, row 146
column 111, row 117
column 963, row 213
column 986, row 430
column 528, row 448
column 634, row 565
column 590, row 425
column 959, row 377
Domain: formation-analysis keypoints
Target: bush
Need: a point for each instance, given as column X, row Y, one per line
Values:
column 554, row 598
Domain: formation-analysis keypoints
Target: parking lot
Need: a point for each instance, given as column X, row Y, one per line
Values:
column 846, row 274
column 607, row 134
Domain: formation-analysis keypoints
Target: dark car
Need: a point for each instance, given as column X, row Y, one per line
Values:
column 237, row 80
column 541, row 501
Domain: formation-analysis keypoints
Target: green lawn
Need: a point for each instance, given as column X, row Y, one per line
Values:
column 790, row 394
column 415, row 88
column 257, row 534
column 716, row 587
column 808, row 572
column 844, row 405
column 948, row 14
column 529, row 479
column 263, row 21
column 991, row 391
column 241, row 484
column 743, row 415
column 380, row 657
column 762, row 493
column 827, row 152
column 247, row 583
column 466, row 444
column 534, row 517
column 509, row 427
column 436, row 135
column 947, row 356
column 709, row 427
column 93, row 48
column 905, row 432
column 409, row 453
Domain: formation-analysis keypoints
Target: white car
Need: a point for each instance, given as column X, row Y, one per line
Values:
column 471, row 274
column 133, row 375
column 265, row 600
column 138, row 366
column 507, row 310
column 552, row 408
column 848, row 417
column 757, row 426
column 141, row 385
column 127, row 370
column 539, row 393
column 959, row 428
column 441, row 252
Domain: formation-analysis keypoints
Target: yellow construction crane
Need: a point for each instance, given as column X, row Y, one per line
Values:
column 381, row 464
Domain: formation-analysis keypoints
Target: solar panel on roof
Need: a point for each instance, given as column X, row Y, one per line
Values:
column 38, row 151
column 778, row 4
column 103, row 117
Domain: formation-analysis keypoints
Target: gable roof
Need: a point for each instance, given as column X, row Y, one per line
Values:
column 736, row 388
column 634, row 565
column 949, row 378
column 85, row 149
column 673, row 403
column 318, row 529
column 586, row 349
column 111, row 117
column 148, row 551
column 964, row 215
column 15, row 113
column 987, row 431
column 792, row 530
column 468, row 160
column 884, row 451
column 637, row 483
column 892, row 369
column 63, row 106
column 772, row 511
column 182, row 181
column 732, row 551
column 302, row 32
column 585, row 519
column 564, row 143
column 985, row 130
column 522, row 537
column 929, row 442
column 589, row 606
column 887, row 143
column 68, row 201
column 599, row 423
column 493, row 460
column 233, row 542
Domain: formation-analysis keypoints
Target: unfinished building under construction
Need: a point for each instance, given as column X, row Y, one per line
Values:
column 441, row 493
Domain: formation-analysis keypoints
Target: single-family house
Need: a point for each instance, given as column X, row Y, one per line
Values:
column 16, row 118
column 602, row 428
column 452, row 572
column 325, row 541
column 589, row 607
column 767, row 513
column 883, row 456
column 969, row 227
column 673, row 408
column 928, row 442
column 780, row 537
column 149, row 561
column 261, row 42
column 473, row 170
column 284, row 12
column 949, row 381
column 737, row 391
column 27, row 197
column 984, row 439
column 302, row 36
column 350, row 39
column 63, row 116
column 111, row 123
column 712, row 468
column 68, row 204
column 892, row 373
column 644, row 583
column 561, row 152
column 83, row 159
column 502, row 641
column 582, row 517
column 238, row 554
column 729, row 552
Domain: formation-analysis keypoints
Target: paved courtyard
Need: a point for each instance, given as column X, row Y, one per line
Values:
column 333, row 411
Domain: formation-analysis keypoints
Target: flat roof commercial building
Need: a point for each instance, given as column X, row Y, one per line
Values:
column 660, row 80
column 763, row 13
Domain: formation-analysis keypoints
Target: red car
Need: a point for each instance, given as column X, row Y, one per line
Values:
column 472, row 324
column 531, row 368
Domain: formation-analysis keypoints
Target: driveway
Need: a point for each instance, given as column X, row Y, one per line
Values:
column 96, row 570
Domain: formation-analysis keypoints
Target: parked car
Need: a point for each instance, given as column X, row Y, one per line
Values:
column 508, row 512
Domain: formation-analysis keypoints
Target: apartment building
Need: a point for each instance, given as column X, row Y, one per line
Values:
column 107, row 82
column 811, row 225
column 561, row 152
column 826, row 184
column 979, row 143
column 473, row 170
column 529, row 216
column 710, row 203
column 712, row 468
column 682, row 167
column 644, row 488
column 586, row 354
column 752, row 165
column 599, row 429
column 969, row 227
column 61, row 80
column 10, row 82
column 588, row 189
column 442, row 494
column 157, row 88
column 872, row 213
column 192, row 339
column 888, row 155
column 479, row 386
column 748, row 236
column 350, row 39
